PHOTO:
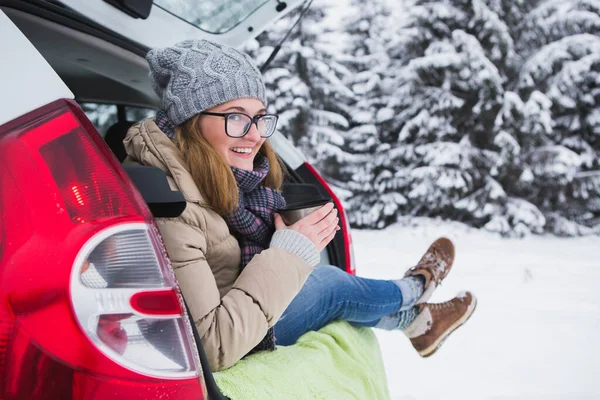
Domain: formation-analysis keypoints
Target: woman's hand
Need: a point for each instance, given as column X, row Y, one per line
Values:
column 320, row 226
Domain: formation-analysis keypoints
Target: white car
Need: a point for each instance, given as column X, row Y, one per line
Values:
column 68, row 207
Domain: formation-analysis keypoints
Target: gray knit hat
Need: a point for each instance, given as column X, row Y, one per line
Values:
column 196, row 75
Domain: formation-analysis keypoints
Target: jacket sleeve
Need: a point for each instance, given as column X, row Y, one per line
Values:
column 231, row 326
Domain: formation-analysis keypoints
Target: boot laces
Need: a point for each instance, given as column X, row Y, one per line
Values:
column 442, row 306
column 434, row 262
column 430, row 257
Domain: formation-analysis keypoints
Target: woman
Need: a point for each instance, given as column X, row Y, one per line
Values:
column 247, row 277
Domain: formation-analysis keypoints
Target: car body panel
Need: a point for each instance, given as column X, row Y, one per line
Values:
column 31, row 82
column 291, row 155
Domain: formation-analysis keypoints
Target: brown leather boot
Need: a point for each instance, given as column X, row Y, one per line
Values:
column 435, row 322
column 433, row 266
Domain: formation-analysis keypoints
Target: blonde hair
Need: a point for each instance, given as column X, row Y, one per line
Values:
column 212, row 174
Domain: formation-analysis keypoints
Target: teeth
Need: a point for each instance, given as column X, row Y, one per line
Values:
column 243, row 150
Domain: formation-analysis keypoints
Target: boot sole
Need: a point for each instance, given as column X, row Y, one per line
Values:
column 438, row 343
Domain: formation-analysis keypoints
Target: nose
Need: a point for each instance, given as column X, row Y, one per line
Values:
column 253, row 133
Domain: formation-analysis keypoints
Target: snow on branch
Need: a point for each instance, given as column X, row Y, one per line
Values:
column 550, row 59
column 557, row 19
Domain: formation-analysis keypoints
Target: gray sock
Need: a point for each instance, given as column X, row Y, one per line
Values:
column 412, row 289
column 398, row 320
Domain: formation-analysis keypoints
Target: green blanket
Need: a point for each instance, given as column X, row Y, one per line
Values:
column 337, row 362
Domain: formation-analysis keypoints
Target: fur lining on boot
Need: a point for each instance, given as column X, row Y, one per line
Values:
column 427, row 293
column 420, row 325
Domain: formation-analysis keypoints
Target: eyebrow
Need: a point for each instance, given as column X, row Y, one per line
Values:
column 242, row 109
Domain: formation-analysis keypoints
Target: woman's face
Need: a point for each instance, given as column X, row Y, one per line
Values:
column 238, row 152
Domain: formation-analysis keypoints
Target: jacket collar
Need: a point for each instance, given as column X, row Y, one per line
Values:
column 147, row 144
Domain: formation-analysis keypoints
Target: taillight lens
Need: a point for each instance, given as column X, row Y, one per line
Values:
column 81, row 172
column 348, row 248
column 89, row 307
column 126, row 302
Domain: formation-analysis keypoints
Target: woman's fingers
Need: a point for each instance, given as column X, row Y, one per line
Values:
column 326, row 231
column 327, row 221
column 319, row 227
column 318, row 215
column 327, row 239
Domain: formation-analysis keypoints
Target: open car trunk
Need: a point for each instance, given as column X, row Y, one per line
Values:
column 98, row 51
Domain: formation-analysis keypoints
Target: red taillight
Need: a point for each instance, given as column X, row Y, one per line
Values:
column 348, row 248
column 2, row 238
column 89, row 307
column 7, row 327
column 90, row 189
column 160, row 302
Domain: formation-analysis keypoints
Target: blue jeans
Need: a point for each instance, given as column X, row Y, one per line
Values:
column 330, row 293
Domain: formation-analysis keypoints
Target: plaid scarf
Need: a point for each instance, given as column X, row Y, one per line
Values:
column 252, row 221
column 164, row 124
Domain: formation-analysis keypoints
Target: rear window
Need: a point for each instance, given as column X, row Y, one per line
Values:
column 104, row 116
column 214, row 16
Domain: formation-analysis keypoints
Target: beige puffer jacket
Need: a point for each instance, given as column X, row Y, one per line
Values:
column 231, row 310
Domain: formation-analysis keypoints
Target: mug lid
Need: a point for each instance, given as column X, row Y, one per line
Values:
column 305, row 204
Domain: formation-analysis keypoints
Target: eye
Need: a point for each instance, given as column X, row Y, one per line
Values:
column 236, row 117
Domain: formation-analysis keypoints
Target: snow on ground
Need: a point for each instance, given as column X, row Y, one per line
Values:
column 534, row 334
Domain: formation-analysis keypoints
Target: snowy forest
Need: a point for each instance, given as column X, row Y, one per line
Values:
column 481, row 111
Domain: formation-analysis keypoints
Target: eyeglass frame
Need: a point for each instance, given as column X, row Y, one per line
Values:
column 253, row 120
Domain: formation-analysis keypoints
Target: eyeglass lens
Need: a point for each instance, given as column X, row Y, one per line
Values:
column 239, row 124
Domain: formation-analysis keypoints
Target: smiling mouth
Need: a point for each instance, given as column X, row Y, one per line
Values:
column 243, row 151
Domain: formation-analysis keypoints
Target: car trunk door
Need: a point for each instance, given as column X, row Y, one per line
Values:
column 230, row 22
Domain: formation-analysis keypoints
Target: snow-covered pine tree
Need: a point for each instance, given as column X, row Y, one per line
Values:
column 520, row 128
column 567, row 167
column 327, row 87
column 375, row 200
column 434, row 21
column 529, row 132
column 445, row 102
column 480, row 110
column 305, row 80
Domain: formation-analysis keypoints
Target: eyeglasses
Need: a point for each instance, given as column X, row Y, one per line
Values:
column 238, row 124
